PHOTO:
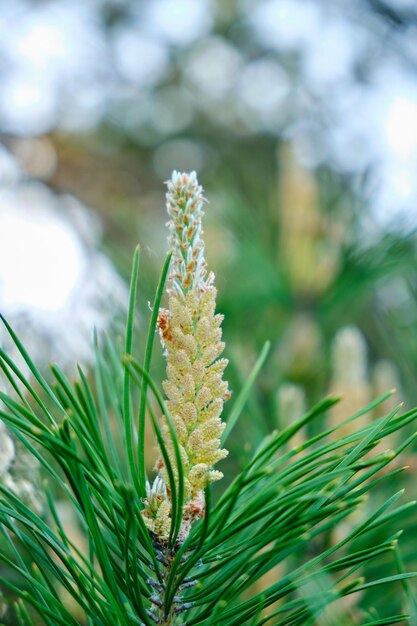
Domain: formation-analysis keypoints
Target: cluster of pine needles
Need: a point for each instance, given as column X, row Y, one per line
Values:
column 277, row 514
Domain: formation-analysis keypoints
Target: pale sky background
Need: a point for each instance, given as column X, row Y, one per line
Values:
column 58, row 69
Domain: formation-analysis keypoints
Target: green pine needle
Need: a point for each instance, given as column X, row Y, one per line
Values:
column 282, row 510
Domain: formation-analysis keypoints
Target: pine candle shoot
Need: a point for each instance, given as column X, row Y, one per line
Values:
column 296, row 537
column 190, row 334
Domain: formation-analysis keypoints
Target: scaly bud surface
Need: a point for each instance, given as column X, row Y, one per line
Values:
column 191, row 336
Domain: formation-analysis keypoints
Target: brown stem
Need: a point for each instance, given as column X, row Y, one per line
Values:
column 166, row 620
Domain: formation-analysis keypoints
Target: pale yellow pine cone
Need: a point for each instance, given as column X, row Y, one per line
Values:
column 308, row 244
column 291, row 406
column 385, row 377
column 191, row 337
column 349, row 379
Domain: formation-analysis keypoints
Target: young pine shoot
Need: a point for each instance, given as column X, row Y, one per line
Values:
column 162, row 549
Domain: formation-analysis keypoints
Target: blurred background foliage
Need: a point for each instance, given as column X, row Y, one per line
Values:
column 300, row 119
